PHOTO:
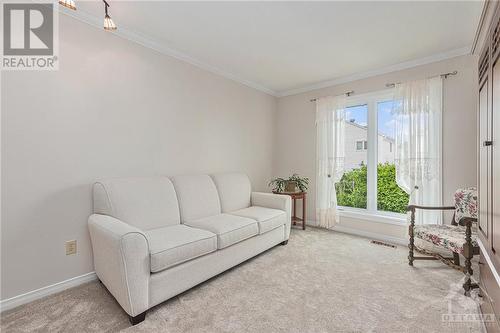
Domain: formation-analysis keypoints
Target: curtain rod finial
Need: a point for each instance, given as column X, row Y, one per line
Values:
column 445, row 76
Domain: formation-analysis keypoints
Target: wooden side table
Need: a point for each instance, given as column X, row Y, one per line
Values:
column 295, row 196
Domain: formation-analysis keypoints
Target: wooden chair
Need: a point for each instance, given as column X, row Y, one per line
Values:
column 460, row 237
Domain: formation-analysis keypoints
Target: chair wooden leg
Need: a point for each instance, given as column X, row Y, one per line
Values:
column 456, row 259
column 411, row 244
column 410, row 255
column 468, row 285
column 468, row 252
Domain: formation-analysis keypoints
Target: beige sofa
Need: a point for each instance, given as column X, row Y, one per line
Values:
column 154, row 238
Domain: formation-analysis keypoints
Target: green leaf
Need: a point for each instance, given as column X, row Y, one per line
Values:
column 352, row 192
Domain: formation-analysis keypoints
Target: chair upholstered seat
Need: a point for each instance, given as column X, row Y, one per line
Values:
column 172, row 245
column 451, row 237
column 267, row 218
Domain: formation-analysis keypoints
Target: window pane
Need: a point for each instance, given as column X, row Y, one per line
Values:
column 390, row 197
column 351, row 189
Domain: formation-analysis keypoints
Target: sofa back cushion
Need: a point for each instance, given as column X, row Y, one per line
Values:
column 234, row 191
column 197, row 196
column 145, row 203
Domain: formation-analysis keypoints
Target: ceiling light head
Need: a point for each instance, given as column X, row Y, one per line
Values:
column 68, row 4
column 108, row 22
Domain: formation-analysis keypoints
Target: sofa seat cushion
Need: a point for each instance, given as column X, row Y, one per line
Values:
column 230, row 229
column 170, row 246
column 267, row 218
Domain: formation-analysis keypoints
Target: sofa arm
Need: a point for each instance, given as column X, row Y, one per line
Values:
column 276, row 201
column 121, row 261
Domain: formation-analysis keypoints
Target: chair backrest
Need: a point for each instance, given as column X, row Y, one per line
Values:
column 197, row 196
column 234, row 191
column 146, row 203
column 465, row 203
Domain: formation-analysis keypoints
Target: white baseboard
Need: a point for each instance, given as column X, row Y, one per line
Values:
column 312, row 223
column 372, row 235
column 367, row 234
column 16, row 301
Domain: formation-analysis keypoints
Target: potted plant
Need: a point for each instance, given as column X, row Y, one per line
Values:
column 278, row 184
column 301, row 183
column 291, row 184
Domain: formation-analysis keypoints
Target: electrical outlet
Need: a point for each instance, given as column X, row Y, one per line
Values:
column 70, row 247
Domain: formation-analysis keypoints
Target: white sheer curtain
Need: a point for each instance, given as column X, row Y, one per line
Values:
column 418, row 115
column 330, row 130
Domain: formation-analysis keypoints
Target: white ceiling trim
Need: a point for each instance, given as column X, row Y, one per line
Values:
column 384, row 70
column 152, row 44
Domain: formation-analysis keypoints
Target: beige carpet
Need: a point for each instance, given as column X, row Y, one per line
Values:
column 321, row 281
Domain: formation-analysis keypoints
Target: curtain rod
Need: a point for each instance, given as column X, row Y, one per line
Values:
column 392, row 85
column 444, row 76
column 347, row 93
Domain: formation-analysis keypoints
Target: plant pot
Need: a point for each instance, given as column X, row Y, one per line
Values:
column 290, row 186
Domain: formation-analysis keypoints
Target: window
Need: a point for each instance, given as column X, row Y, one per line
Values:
column 369, row 180
column 352, row 189
column 361, row 145
column 390, row 197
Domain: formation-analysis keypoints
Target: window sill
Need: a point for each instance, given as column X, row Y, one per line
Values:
column 372, row 217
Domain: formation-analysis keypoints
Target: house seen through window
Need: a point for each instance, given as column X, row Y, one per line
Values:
column 361, row 145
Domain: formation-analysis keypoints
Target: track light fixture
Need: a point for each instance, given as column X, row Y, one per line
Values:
column 108, row 22
column 68, row 4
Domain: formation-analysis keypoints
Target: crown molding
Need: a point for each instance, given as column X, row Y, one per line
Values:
column 392, row 68
column 482, row 30
column 479, row 27
column 147, row 42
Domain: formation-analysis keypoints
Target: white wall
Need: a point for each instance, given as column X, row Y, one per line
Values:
column 114, row 109
column 295, row 134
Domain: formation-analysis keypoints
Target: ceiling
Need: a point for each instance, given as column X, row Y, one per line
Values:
column 287, row 47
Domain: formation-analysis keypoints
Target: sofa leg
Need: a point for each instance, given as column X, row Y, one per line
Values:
column 284, row 242
column 137, row 319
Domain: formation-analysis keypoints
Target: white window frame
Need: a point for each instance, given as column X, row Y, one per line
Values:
column 371, row 100
column 363, row 145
